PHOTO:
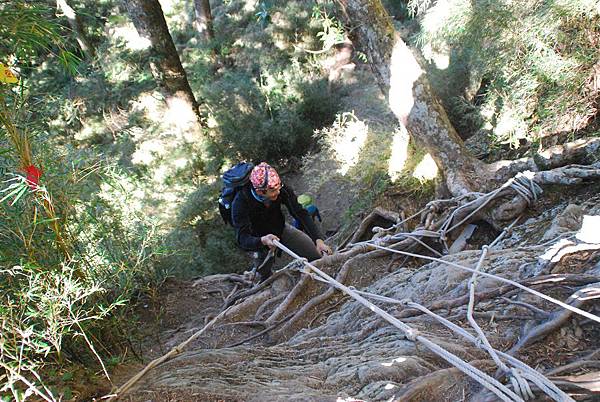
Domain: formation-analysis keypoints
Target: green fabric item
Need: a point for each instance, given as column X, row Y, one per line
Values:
column 304, row 200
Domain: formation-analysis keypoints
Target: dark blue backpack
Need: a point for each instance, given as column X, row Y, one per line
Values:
column 233, row 181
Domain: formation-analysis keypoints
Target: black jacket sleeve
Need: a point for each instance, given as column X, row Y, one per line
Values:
column 241, row 222
column 291, row 202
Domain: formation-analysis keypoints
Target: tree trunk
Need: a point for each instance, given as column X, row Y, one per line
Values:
column 398, row 71
column 204, row 20
column 149, row 21
column 77, row 27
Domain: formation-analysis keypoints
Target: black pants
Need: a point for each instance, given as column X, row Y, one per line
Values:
column 295, row 240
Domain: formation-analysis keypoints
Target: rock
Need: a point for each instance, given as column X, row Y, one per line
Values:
column 569, row 220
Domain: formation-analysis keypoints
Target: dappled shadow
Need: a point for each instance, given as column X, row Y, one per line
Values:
column 492, row 63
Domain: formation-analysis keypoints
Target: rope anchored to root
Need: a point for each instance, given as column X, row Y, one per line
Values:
column 518, row 375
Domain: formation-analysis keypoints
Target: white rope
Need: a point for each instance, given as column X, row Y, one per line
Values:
column 519, row 384
column 498, row 278
column 522, row 184
column 525, row 187
column 528, row 372
column 398, row 224
column 525, row 371
column 412, row 237
column 487, row 381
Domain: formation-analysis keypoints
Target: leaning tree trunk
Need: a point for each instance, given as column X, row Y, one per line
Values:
column 149, row 21
column 204, row 20
column 411, row 99
column 77, row 27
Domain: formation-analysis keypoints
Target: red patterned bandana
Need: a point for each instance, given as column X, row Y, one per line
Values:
column 264, row 176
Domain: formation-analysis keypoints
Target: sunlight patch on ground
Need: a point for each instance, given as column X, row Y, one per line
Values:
column 396, row 360
column 147, row 152
column 181, row 115
column 399, row 153
column 129, row 35
column 150, row 103
column 349, row 141
column 426, row 169
column 590, row 232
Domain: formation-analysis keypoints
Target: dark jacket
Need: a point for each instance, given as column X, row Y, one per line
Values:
column 252, row 219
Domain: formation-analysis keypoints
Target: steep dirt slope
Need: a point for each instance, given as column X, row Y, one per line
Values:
column 355, row 354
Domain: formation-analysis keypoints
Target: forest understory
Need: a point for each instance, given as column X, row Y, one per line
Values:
column 452, row 148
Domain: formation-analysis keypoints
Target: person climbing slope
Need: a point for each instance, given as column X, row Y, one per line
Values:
column 258, row 220
column 307, row 203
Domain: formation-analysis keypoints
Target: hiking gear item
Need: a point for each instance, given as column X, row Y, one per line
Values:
column 264, row 176
column 305, row 200
column 233, row 180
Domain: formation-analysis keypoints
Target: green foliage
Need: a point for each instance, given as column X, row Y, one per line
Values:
column 201, row 230
column 41, row 310
column 74, row 246
column 28, row 30
column 271, row 117
column 534, row 57
column 332, row 32
column 263, row 16
column 49, row 302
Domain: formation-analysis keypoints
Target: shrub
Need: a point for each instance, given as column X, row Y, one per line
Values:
column 271, row 117
column 535, row 59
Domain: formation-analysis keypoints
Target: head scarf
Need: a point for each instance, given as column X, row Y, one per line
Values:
column 263, row 176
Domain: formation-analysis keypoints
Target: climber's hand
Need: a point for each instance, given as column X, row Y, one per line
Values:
column 323, row 248
column 268, row 240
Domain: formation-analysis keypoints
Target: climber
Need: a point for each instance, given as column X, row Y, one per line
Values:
column 258, row 221
column 306, row 202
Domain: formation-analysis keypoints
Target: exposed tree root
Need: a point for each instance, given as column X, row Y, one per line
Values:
column 558, row 319
column 372, row 219
column 541, row 281
column 586, row 383
column 589, row 360
column 266, row 306
column 261, row 333
column 439, row 385
column 286, row 307
column 234, row 297
column 306, row 296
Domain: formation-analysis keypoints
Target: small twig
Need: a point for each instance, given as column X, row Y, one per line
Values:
column 583, row 362
column 261, row 333
column 327, row 311
column 233, row 291
column 90, row 345
column 247, row 323
column 536, row 310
